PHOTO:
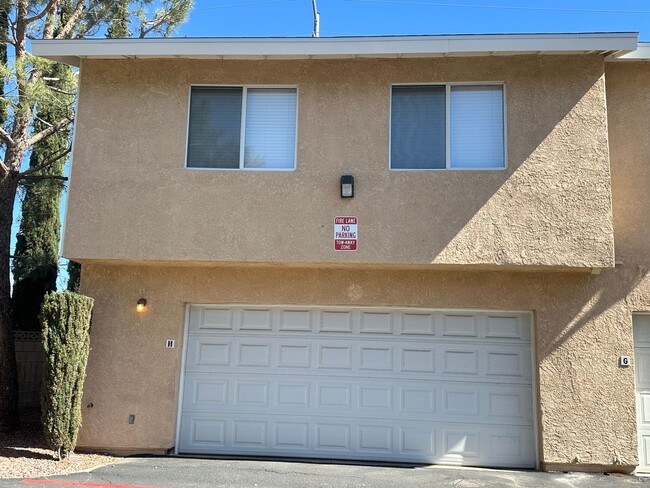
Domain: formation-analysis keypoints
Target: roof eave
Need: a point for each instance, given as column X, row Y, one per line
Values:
column 641, row 53
column 72, row 51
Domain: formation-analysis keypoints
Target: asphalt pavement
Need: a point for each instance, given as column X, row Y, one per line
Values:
column 173, row 472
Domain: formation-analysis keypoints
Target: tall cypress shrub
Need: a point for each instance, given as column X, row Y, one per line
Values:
column 74, row 276
column 65, row 321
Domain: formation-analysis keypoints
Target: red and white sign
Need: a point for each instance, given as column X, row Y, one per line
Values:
column 346, row 233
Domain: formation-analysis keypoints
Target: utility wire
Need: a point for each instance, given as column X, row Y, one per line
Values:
column 505, row 7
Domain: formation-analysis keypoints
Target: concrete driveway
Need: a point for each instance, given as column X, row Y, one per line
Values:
column 191, row 472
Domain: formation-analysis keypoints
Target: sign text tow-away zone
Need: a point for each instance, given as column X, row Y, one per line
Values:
column 346, row 233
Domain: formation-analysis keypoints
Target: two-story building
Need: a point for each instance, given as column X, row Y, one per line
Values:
column 429, row 249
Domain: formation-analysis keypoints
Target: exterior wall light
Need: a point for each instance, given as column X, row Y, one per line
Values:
column 141, row 306
column 347, row 186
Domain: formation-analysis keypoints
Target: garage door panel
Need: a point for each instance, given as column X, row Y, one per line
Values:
column 456, row 324
column 249, row 434
column 415, row 323
column 334, row 356
column 507, row 326
column 417, row 358
column 368, row 398
column 360, row 383
column 418, row 443
column 207, row 351
column 511, row 405
column 376, row 359
column 294, row 355
column 427, row 442
column 291, row 435
column 205, row 393
column 417, row 399
column 364, row 321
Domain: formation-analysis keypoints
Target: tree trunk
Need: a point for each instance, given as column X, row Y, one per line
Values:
column 9, row 418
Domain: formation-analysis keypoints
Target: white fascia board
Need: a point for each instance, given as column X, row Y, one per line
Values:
column 642, row 53
column 72, row 51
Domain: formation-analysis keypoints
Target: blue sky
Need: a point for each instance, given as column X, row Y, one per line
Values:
column 376, row 17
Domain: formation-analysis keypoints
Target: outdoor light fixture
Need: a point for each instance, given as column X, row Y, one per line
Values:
column 347, row 186
column 141, row 305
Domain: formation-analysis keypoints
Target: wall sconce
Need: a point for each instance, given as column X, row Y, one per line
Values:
column 347, row 186
column 141, row 305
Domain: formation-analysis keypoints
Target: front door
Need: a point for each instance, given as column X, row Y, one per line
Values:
column 642, row 372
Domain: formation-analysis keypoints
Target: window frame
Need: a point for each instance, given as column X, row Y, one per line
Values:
column 448, row 86
column 242, row 135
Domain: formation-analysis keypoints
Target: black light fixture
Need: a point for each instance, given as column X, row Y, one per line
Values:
column 347, row 186
column 141, row 305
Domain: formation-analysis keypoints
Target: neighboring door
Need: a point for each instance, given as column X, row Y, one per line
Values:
column 410, row 385
column 642, row 373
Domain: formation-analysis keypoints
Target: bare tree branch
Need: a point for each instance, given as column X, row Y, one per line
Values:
column 69, row 25
column 153, row 24
column 22, row 7
column 5, row 136
column 42, row 121
column 58, row 90
column 5, row 169
column 39, row 136
column 50, row 21
column 45, row 165
column 98, row 15
column 50, row 8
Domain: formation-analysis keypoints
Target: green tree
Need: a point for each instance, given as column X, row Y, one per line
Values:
column 36, row 257
column 74, row 276
column 66, row 341
column 31, row 92
column 119, row 27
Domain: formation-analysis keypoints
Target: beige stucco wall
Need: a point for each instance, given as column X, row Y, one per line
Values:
column 586, row 408
column 131, row 198
column 582, row 325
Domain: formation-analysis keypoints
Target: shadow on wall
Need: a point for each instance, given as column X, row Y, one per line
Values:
column 628, row 114
column 551, row 206
column 599, row 300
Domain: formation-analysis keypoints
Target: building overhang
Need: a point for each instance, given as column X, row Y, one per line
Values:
column 641, row 53
column 71, row 51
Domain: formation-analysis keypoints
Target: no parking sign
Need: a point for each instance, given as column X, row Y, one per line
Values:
column 346, row 233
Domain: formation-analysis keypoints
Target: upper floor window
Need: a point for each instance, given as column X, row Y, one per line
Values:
column 242, row 128
column 447, row 127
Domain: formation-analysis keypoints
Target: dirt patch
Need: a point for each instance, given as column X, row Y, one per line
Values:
column 24, row 454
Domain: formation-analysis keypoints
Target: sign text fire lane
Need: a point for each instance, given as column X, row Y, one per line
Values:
column 346, row 233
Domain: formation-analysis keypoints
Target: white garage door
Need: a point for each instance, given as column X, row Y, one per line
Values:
column 409, row 385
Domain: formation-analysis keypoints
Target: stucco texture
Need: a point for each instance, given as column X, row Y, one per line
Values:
column 132, row 199
column 582, row 324
column 557, row 185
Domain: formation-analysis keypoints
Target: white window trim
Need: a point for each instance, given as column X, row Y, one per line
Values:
column 448, row 86
column 243, row 122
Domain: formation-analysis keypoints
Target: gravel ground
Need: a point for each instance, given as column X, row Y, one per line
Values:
column 24, row 454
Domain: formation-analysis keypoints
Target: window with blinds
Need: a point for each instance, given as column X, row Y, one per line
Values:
column 242, row 128
column 447, row 127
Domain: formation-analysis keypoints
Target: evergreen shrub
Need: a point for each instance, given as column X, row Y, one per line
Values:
column 65, row 321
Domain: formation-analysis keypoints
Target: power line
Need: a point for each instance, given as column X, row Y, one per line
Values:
column 506, row 7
